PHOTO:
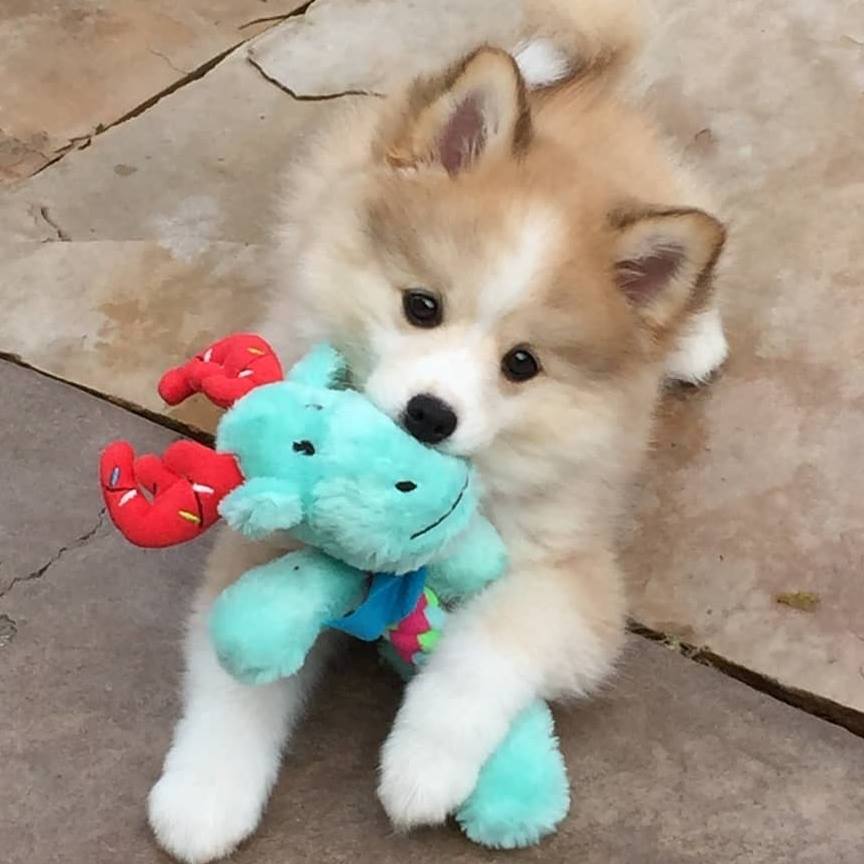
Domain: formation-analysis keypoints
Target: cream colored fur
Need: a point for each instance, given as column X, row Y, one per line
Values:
column 525, row 245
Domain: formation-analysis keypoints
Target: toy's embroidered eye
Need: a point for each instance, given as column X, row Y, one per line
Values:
column 519, row 364
column 422, row 308
column 315, row 407
column 406, row 486
column 304, row 447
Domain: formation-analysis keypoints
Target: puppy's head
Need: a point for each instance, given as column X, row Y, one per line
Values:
column 489, row 285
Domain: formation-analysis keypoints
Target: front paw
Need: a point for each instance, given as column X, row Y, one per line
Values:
column 422, row 782
column 198, row 818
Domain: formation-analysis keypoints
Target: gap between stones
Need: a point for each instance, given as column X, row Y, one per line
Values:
column 811, row 703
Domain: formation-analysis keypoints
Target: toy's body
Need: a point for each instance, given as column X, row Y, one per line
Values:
column 393, row 536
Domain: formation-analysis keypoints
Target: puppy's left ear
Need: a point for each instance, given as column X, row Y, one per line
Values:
column 474, row 112
column 664, row 260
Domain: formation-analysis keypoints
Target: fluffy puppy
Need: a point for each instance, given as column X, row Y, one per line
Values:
column 512, row 262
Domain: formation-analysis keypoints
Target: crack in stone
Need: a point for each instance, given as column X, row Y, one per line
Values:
column 39, row 572
column 168, row 60
column 324, row 97
column 175, row 425
column 188, row 77
column 61, row 234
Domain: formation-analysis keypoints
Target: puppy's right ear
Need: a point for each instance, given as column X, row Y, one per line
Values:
column 474, row 112
column 664, row 259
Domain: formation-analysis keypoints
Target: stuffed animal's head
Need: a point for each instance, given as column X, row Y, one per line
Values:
column 326, row 465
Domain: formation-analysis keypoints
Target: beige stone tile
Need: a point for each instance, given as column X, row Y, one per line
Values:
column 755, row 489
column 113, row 315
column 162, row 223
column 69, row 68
column 202, row 164
column 341, row 46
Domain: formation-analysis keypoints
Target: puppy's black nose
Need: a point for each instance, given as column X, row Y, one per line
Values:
column 429, row 419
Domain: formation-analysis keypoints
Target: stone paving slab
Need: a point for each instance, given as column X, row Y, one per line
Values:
column 673, row 764
column 113, row 316
column 70, row 68
column 201, row 165
column 341, row 46
column 754, row 489
column 123, row 257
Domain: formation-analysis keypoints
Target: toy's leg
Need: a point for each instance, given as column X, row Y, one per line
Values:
column 226, row 751
column 522, row 792
column 265, row 624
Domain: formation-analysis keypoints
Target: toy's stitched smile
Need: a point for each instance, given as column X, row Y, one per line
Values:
column 453, row 506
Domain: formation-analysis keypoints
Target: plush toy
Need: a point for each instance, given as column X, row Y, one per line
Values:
column 392, row 532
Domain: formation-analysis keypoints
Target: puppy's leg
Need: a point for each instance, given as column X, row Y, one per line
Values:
column 701, row 348
column 227, row 745
column 545, row 630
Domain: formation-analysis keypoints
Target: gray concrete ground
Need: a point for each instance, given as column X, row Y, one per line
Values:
column 674, row 763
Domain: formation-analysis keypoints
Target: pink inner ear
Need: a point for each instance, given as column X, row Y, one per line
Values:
column 464, row 136
column 642, row 279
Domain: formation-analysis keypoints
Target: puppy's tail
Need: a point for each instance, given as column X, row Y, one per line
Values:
column 564, row 39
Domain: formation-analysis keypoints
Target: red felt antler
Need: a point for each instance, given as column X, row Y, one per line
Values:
column 162, row 501
column 224, row 372
column 159, row 501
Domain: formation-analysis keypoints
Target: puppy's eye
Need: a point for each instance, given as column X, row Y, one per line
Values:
column 519, row 364
column 307, row 448
column 422, row 308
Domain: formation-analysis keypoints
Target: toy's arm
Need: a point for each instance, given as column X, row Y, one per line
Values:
column 261, row 506
column 470, row 564
column 264, row 625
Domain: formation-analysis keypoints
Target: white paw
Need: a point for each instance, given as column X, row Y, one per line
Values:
column 199, row 818
column 421, row 784
column 701, row 349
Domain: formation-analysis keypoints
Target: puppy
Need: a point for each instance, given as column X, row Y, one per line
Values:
column 512, row 263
